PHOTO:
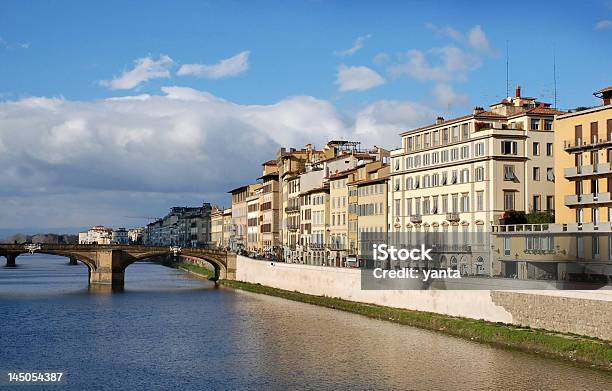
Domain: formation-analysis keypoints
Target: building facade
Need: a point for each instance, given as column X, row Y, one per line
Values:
column 464, row 174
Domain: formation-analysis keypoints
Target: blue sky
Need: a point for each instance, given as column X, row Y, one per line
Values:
column 265, row 73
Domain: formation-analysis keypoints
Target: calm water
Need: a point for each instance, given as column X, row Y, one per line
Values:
column 169, row 330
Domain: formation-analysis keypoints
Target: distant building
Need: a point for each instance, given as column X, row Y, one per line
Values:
column 119, row 236
column 135, row 235
column 96, row 235
column 183, row 226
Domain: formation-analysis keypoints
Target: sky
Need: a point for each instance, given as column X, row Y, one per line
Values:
column 112, row 112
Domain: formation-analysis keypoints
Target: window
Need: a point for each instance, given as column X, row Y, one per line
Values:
column 465, row 202
column 397, row 166
column 509, row 147
column 435, row 180
column 426, row 159
column 397, row 184
column 455, row 134
column 409, row 143
column 426, row 140
column 508, row 200
column 479, row 201
column 535, row 124
column 479, row 174
column 444, row 203
column 595, row 246
column 408, row 183
column 549, row 149
column 550, row 203
column 465, row 152
column 444, row 156
column 465, row 176
column 435, row 158
column 466, row 131
column 579, row 215
column 408, row 206
column 398, row 207
column 536, row 203
column 548, row 124
column 536, row 173
column 509, row 173
column 550, row 174
column 436, row 137
column 595, row 216
column 455, row 203
column 536, row 149
column 507, row 245
column 445, row 136
column 479, row 149
column 454, row 154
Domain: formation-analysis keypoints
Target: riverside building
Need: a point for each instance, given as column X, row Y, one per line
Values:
column 463, row 174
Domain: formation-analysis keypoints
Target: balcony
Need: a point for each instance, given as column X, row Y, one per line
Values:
column 452, row 217
column 588, row 171
column 292, row 209
column 575, row 200
column 293, row 227
column 416, row 219
column 581, row 145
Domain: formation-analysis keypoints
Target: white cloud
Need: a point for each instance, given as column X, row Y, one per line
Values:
column 80, row 163
column 446, row 96
column 604, row 25
column 381, row 58
column 357, row 78
column 381, row 122
column 228, row 67
column 145, row 69
column 437, row 64
column 478, row 40
column 357, row 45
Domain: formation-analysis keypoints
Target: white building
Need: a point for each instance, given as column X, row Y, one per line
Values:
column 119, row 236
column 96, row 235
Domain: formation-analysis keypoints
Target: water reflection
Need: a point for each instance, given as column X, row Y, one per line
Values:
column 170, row 330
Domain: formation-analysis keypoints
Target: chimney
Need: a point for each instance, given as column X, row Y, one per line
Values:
column 439, row 120
column 518, row 91
column 477, row 110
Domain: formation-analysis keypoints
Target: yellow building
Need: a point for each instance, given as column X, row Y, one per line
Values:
column 578, row 246
column 269, row 206
column 370, row 208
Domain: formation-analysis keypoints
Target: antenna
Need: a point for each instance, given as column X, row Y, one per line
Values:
column 555, row 75
column 507, row 73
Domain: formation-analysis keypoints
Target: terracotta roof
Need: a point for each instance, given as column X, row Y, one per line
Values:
column 481, row 114
column 368, row 181
column 544, row 110
column 316, row 190
column 341, row 173
column 269, row 163
column 603, row 90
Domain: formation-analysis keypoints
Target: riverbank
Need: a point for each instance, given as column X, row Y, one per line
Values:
column 578, row 349
column 191, row 268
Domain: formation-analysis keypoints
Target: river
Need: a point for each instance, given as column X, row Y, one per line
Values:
column 169, row 330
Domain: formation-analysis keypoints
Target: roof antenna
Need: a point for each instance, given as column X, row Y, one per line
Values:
column 555, row 74
column 507, row 79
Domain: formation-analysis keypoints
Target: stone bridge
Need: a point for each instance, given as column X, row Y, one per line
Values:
column 107, row 263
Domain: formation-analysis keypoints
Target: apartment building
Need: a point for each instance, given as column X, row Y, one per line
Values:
column 463, row 174
column 182, row 226
column 317, row 206
column 96, row 235
column 253, row 237
column 338, row 211
column 216, row 226
column 269, row 206
column 368, row 203
column 228, row 228
column 578, row 246
column 238, row 235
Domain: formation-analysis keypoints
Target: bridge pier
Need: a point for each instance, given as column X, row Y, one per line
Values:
column 73, row 261
column 10, row 260
column 109, row 269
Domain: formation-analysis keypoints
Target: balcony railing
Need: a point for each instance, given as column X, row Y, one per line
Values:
column 452, row 217
column 587, row 199
column 588, row 170
column 415, row 219
column 293, row 227
column 577, row 145
column 292, row 209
